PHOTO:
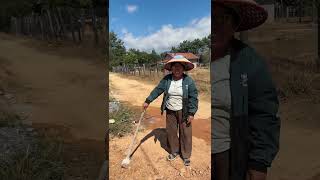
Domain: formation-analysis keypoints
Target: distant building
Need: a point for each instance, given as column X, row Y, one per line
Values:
column 269, row 5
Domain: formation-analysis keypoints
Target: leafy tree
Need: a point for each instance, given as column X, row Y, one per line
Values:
column 154, row 56
column 205, row 56
column 117, row 51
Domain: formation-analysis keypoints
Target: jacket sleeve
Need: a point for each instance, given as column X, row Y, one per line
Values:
column 157, row 91
column 264, row 124
column 192, row 99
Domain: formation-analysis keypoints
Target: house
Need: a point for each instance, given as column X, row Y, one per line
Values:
column 190, row 56
column 268, row 5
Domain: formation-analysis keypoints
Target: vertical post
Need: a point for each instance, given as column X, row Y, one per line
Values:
column 62, row 23
column 94, row 24
column 318, row 34
column 72, row 24
column 314, row 12
column 50, row 23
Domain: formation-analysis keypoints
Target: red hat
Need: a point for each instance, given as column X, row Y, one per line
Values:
column 250, row 13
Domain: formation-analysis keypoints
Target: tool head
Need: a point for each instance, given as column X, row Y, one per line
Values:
column 125, row 163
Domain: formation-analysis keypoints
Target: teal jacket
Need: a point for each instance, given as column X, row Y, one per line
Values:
column 189, row 90
column 254, row 126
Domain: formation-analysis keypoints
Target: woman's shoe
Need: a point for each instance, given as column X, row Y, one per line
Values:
column 172, row 157
column 186, row 162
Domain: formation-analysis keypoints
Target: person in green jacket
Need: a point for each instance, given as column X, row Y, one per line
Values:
column 245, row 126
column 180, row 101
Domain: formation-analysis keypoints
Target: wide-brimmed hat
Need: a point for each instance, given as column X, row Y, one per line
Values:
column 181, row 59
column 250, row 13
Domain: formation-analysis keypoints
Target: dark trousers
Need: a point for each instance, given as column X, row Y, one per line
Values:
column 183, row 143
column 221, row 166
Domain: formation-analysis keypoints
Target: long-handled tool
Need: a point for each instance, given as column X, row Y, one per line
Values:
column 125, row 163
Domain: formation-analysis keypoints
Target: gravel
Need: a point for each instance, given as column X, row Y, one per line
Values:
column 114, row 106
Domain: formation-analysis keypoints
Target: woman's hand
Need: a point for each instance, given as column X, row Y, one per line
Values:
column 145, row 106
column 190, row 118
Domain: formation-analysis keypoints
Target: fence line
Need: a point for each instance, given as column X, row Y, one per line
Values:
column 59, row 23
column 146, row 70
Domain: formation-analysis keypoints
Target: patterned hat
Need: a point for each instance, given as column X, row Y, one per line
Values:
column 250, row 13
column 181, row 59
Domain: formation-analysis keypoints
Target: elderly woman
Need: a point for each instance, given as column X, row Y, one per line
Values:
column 180, row 101
column 245, row 126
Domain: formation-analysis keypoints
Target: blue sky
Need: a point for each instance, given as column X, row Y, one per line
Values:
column 159, row 24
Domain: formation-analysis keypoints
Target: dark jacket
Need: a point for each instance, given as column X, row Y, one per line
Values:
column 254, row 126
column 189, row 90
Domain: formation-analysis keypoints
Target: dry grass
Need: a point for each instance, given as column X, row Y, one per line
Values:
column 290, row 50
column 40, row 160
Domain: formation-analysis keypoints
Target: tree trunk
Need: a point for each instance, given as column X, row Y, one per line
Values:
column 41, row 27
column 94, row 26
column 314, row 11
column 17, row 26
column 55, row 15
column 300, row 11
column 79, row 27
column 46, row 26
column 63, row 29
column 52, row 32
column 318, row 34
column 72, row 25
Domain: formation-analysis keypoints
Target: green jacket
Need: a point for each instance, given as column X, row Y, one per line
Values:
column 189, row 90
column 254, row 126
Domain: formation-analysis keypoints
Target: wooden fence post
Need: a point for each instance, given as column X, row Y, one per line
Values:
column 94, row 26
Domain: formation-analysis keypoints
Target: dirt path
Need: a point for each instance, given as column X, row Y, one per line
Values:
column 61, row 91
column 148, row 162
column 298, row 157
column 135, row 93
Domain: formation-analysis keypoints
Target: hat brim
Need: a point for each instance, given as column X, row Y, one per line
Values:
column 250, row 13
column 187, row 64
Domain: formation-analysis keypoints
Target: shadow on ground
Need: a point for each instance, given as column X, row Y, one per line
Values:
column 159, row 134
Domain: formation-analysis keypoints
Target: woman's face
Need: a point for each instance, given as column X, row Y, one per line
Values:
column 223, row 26
column 177, row 70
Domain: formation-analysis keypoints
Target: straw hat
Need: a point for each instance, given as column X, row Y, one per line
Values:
column 250, row 13
column 181, row 59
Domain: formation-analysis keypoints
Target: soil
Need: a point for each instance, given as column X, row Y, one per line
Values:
column 62, row 93
column 149, row 160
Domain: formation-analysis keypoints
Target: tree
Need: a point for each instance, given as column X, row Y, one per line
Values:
column 154, row 56
column 205, row 56
column 117, row 51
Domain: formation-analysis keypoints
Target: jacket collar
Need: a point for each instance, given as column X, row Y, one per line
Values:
column 236, row 47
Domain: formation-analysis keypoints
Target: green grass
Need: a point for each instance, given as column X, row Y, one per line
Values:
column 8, row 119
column 123, row 121
column 41, row 160
column 43, row 163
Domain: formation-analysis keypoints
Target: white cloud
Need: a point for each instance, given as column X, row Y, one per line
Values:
column 124, row 30
column 132, row 8
column 168, row 36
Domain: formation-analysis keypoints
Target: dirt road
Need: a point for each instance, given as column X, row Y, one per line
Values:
column 148, row 162
column 134, row 92
column 59, row 93
column 60, row 90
